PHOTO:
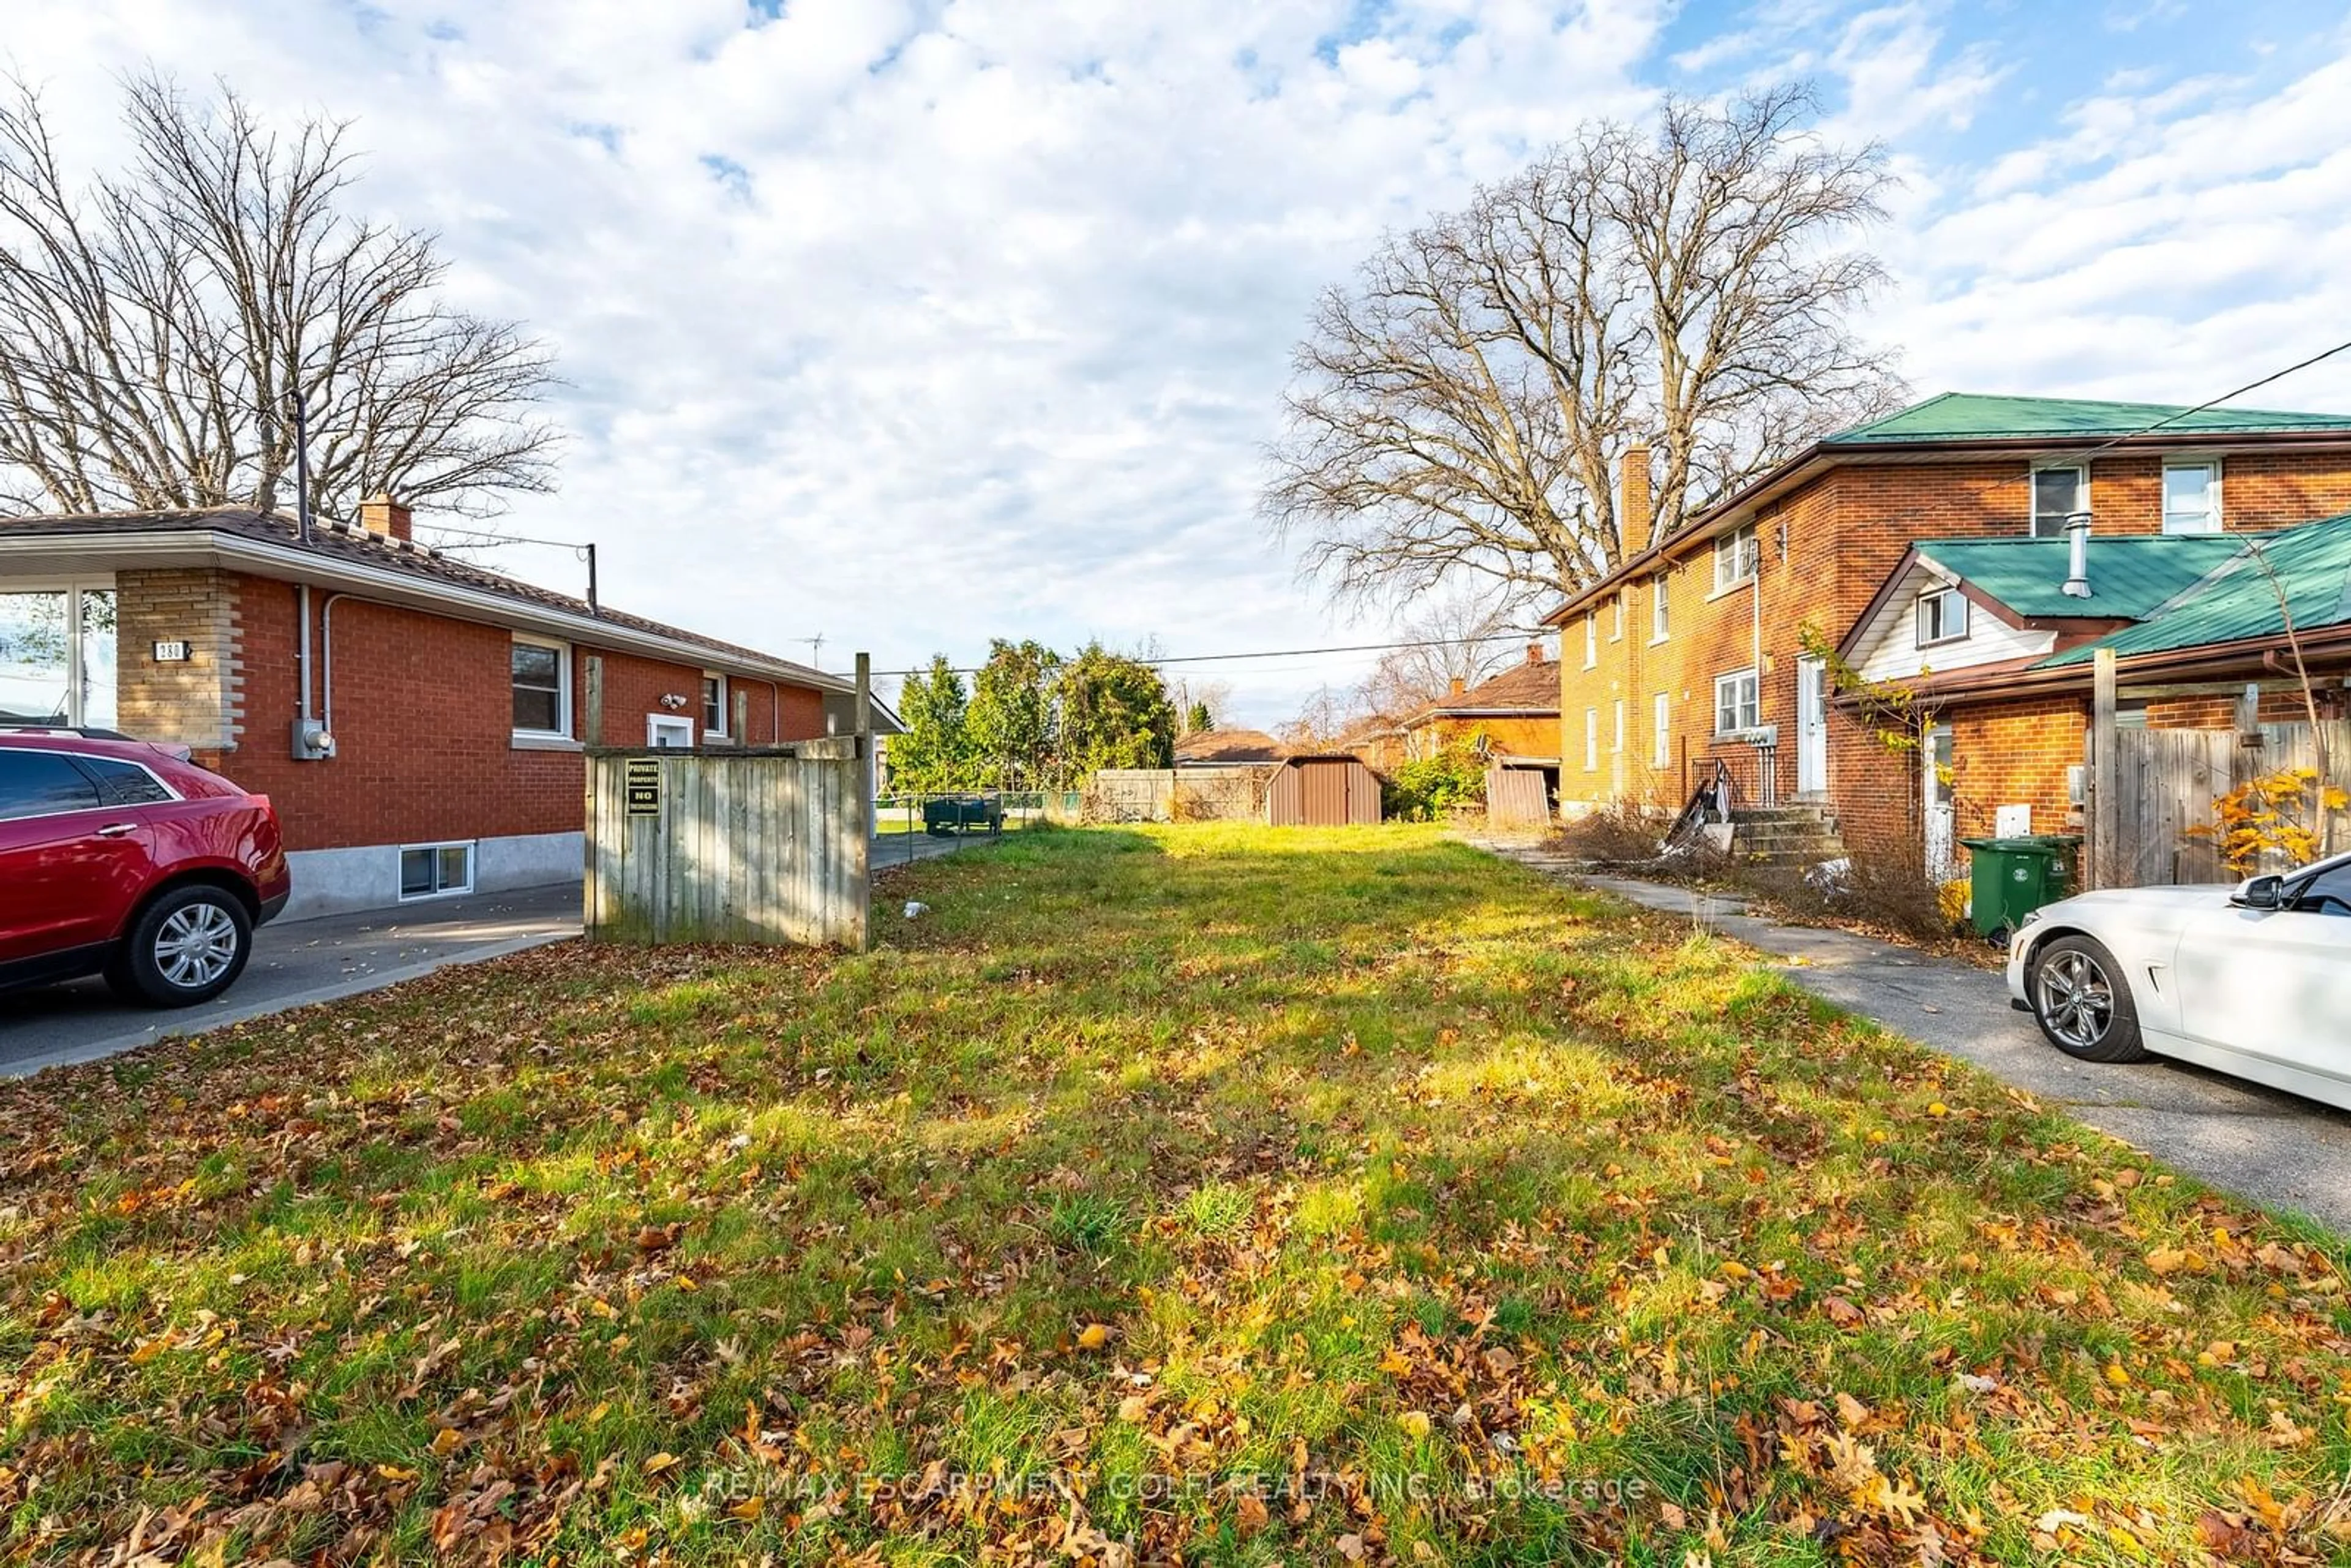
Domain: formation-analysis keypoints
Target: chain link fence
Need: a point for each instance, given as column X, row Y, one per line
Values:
column 908, row 825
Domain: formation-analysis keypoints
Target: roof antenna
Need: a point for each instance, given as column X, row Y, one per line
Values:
column 816, row 649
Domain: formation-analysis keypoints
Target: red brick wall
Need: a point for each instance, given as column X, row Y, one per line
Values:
column 424, row 723
column 1845, row 531
column 2017, row 753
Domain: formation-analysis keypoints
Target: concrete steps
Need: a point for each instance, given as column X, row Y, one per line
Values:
column 1794, row 836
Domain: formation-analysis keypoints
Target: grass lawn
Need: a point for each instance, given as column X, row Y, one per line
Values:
column 1249, row 1194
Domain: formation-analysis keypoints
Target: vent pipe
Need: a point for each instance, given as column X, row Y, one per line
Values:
column 2077, row 564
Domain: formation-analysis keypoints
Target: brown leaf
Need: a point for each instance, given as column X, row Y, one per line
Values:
column 1251, row 1513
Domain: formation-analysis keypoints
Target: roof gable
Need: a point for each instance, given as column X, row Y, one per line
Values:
column 1963, row 416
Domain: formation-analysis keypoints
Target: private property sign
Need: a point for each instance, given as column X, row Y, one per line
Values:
column 641, row 784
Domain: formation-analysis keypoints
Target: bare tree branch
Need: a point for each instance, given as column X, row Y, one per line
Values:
column 154, row 327
column 1462, row 408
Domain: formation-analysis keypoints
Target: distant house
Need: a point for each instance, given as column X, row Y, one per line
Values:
column 1514, row 714
column 1706, row 651
column 1229, row 748
column 417, row 720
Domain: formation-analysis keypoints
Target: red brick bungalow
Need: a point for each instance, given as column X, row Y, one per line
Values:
column 453, row 696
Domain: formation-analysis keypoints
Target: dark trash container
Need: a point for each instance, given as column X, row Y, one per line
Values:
column 2010, row 878
column 962, row 814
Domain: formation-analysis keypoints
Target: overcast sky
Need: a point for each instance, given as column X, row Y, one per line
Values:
column 909, row 324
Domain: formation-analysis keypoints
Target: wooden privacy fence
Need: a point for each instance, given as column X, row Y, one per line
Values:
column 733, row 844
column 2165, row 782
column 1176, row 794
column 1517, row 798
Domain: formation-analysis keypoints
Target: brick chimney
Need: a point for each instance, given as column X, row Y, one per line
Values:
column 382, row 515
column 1456, row 688
column 1633, row 495
column 1534, row 653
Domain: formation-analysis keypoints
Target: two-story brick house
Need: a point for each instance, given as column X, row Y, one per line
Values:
column 418, row 721
column 1694, row 652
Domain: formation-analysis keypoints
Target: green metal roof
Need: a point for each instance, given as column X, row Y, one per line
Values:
column 1964, row 416
column 2240, row 600
column 2129, row 575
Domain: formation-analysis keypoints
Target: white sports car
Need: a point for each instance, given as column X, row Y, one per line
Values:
column 2254, row 979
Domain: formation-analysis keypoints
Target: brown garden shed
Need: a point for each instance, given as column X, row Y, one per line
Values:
column 1328, row 791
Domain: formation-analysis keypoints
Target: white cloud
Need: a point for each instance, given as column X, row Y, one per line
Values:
column 913, row 321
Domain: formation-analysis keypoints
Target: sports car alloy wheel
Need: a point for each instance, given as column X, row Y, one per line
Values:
column 2077, row 1000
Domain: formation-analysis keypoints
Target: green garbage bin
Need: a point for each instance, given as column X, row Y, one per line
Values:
column 2011, row 878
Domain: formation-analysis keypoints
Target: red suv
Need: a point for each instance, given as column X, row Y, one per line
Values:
column 126, row 860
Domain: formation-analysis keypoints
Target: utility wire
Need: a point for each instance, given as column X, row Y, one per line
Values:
column 2087, row 453
column 1154, row 661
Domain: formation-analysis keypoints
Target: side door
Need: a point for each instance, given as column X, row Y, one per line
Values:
column 1812, row 725
column 70, row 864
column 1940, row 804
column 2275, row 983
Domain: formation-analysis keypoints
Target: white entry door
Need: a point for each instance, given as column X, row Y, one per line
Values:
column 1811, row 727
column 1942, row 813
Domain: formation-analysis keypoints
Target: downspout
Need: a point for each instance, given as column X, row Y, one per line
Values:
column 302, row 650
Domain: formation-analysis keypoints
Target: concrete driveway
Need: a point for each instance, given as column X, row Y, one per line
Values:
column 292, row 966
column 2260, row 1143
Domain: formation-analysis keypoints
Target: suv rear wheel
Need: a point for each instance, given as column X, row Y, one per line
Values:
column 187, row 946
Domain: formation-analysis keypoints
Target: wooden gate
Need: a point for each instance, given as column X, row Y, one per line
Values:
column 1516, row 798
column 2165, row 782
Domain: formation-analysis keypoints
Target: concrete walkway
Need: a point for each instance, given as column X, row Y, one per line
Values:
column 2272, row 1148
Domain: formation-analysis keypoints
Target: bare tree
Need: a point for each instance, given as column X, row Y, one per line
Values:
column 156, row 327
column 1458, row 636
column 1463, row 406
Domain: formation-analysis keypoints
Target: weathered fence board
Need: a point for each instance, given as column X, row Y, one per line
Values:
column 1234, row 794
column 1516, row 798
column 735, row 846
column 2165, row 782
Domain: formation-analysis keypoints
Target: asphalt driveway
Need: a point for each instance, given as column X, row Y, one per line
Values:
column 309, row 961
column 292, row 966
column 2260, row 1143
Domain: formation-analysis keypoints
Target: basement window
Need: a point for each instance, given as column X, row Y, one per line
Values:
column 1942, row 616
column 436, row 870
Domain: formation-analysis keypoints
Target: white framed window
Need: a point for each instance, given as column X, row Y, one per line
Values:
column 1660, row 621
column 2058, row 494
column 1942, row 616
column 1618, row 743
column 1591, row 741
column 2191, row 498
column 1738, row 556
column 57, row 652
column 1661, row 740
column 667, row 732
column 1738, row 702
column 542, row 687
column 1616, row 627
column 713, row 706
column 436, row 870
column 1591, row 640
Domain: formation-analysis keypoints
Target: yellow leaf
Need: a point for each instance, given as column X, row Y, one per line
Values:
column 1415, row 1422
column 750, row 1508
column 660, row 1462
column 1094, row 1336
column 447, row 1440
column 1134, row 1410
